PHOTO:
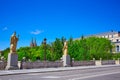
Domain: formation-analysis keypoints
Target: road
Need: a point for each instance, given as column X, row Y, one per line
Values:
column 107, row 73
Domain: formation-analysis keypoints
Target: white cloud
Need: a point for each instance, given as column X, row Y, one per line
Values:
column 5, row 28
column 36, row 32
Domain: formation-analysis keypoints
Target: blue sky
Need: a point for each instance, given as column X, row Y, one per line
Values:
column 56, row 18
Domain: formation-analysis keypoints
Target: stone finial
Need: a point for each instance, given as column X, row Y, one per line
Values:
column 2, row 58
column 24, row 58
column 100, row 59
column 73, row 59
column 93, row 59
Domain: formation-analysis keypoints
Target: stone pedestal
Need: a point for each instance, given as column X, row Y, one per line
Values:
column 117, row 62
column 98, row 62
column 66, row 60
column 12, row 63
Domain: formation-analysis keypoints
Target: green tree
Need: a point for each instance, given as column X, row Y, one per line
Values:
column 5, row 53
column 79, row 49
column 56, row 48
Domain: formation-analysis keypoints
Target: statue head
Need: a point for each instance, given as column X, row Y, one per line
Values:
column 14, row 34
column 65, row 43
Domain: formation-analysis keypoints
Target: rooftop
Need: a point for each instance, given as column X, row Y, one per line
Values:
column 101, row 34
column 107, row 33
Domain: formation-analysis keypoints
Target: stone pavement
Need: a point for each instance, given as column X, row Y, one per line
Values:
column 43, row 70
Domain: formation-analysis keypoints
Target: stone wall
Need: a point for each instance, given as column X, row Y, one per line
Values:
column 3, row 64
column 41, row 64
column 49, row 64
column 83, row 63
column 52, row 64
column 108, row 62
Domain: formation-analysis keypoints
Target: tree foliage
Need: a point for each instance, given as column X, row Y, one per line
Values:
column 89, row 48
column 80, row 49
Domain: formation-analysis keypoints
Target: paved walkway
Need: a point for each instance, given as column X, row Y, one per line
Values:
column 43, row 70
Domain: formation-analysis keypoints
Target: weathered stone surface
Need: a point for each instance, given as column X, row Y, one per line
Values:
column 108, row 62
column 12, row 63
column 83, row 63
column 66, row 60
column 2, row 65
column 41, row 64
column 104, row 62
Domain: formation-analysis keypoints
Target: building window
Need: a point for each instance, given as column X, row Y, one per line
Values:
column 117, row 40
column 119, row 33
column 118, row 49
column 112, row 36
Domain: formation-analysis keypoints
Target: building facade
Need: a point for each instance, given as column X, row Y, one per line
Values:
column 114, row 37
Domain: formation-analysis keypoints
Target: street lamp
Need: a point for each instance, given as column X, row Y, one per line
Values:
column 44, row 44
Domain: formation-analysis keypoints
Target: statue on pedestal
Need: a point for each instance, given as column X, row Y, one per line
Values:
column 12, row 63
column 13, row 43
column 65, row 57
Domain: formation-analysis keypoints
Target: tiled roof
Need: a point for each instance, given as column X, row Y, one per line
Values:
column 106, row 33
column 101, row 34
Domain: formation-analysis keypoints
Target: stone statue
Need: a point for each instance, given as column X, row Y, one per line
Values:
column 65, row 48
column 12, row 63
column 66, row 56
column 13, row 43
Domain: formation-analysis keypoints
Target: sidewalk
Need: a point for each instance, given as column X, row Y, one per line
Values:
column 43, row 70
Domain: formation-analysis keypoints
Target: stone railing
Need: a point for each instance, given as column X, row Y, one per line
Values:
column 3, row 64
column 41, row 64
column 51, row 64
column 107, row 62
column 117, row 62
column 83, row 63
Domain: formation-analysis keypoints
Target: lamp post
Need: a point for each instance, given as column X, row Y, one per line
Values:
column 44, row 44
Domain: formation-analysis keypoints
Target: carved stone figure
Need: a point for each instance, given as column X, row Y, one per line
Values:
column 65, row 48
column 12, row 63
column 13, row 43
column 66, row 56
